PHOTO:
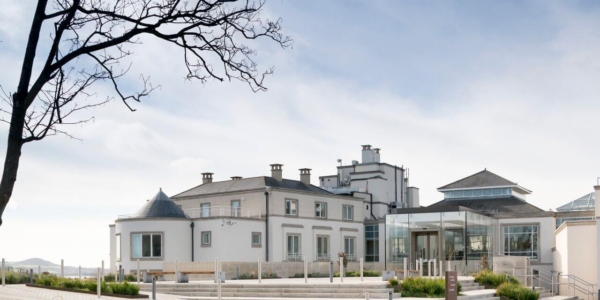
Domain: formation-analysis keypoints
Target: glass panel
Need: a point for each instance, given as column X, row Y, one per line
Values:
column 235, row 208
column 433, row 246
column 156, row 245
column 256, row 239
column 137, row 246
column 146, row 247
column 205, row 210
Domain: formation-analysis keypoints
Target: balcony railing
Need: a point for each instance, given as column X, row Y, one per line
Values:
column 223, row 211
column 294, row 256
column 352, row 257
column 323, row 257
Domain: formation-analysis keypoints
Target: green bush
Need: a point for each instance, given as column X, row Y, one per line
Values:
column 492, row 280
column 254, row 276
column 91, row 285
column 515, row 291
column 424, row 287
column 394, row 282
column 130, row 278
column 366, row 273
column 12, row 277
column 110, row 278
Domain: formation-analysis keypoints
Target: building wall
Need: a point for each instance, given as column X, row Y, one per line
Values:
column 306, row 205
column 546, row 237
column 571, row 257
column 176, row 241
column 248, row 199
column 229, row 241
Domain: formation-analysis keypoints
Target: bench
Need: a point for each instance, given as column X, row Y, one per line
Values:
column 182, row 276
column 160, row 274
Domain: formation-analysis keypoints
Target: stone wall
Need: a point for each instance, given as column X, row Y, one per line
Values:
column 282, row 269
column 513, row 265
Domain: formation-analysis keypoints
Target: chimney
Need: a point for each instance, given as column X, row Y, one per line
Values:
column 376, row 157
column 367, row 154
column 207, row 178
column 276, row 171
column 236, row 177
column 305, row 176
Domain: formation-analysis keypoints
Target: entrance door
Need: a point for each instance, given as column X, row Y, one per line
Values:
column 426, row 248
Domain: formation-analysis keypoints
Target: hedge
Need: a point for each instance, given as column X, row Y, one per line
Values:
column 91, row 285
column 515, row 291
column 422, row 287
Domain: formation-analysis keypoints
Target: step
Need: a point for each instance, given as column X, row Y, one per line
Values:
column 288, row 295
column 274, row 290
column 472, row 288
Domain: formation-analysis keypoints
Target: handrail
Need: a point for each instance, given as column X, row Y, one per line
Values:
column 574, row 282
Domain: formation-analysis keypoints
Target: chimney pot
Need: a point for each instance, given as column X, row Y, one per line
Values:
column 207, row 177
column 305, row 175
column 236, row 177
column 277, row 172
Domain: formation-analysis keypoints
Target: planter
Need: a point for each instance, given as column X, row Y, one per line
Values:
column 87, row 292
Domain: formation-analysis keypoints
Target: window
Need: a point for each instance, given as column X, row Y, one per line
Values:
column 205, row 210
column 349, row 248
column 293, row 247
column 256, row 240
column 147, row 245
column 454, row 244
column 321, row 210
column 235, row 208
column 322, row 248
column 206, row 238
column 348, row 212
column 118, row 247
column 291, row 207
column 521, row 240
column 372, row 243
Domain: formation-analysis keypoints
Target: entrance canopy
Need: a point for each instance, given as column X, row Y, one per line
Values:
column 451, row 233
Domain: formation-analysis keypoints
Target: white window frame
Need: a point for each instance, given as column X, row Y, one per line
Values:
column 202, row 235
column 291, row 213
column 350, row 256
column 537, row 237
column 152, row 255
column 294, row 255
column 344, row 212
column 259, row 244
column 319, row 213
column 325, row 245
column 205, row 208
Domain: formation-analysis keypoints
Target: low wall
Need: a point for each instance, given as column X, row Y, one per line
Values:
column 513, row 265
column 282, row 269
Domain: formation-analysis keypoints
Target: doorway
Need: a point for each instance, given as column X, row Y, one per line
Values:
column 426, row 247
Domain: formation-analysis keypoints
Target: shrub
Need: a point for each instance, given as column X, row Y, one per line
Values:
column 492, row 280
column 91, row 285
column 424, row 287
column 515, row 291
column 264, row 275
column 394, row 282
column 12, row 277
column 109, row 277
column 366, row 273
column 130, row 278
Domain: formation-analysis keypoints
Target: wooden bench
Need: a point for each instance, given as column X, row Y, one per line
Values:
column 182, row 276
column 160, row 275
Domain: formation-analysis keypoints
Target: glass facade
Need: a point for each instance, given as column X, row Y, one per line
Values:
column 460, row 237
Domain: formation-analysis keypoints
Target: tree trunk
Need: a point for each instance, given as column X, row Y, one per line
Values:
column 13, row 152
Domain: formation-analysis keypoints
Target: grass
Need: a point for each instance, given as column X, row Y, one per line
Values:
column 91, row 285
column 515, row 291
column 254, row 276
column 493, row 280
column 421, row 287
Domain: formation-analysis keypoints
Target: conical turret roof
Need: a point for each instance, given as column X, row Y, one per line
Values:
column 160, row 206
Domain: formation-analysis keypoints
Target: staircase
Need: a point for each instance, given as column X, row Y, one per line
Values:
column 473, row 291
column 377, row 290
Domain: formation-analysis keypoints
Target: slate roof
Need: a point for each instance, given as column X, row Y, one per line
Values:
column 495, row 206
column 484, row 178
column 584, row 203
column 253, row 183
column 160, row 206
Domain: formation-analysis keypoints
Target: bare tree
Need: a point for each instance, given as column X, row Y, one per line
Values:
column 90, row 40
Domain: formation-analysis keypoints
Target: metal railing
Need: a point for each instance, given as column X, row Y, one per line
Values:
column 293, row 256
column 223, row 211
column 323, row 257
column 352, row 257
column 574, row 284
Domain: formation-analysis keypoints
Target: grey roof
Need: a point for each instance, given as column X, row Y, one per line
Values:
column 484, row 178
column 586, row 202
column 160, row 206
column 494, row 206
column 253, row 183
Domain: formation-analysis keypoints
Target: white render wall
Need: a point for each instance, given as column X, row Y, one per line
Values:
column 113, row 248
column 176, row 241
column 547, row 225
column 573, row 257
column 229, row 242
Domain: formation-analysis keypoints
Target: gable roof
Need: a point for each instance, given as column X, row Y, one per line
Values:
column 253, row 183
column 510, row 206
column 481, row 179
column 160, row 206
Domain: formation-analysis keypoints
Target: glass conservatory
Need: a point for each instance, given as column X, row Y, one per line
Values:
column 456, row 234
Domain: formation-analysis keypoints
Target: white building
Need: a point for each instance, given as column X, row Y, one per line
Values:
column 241, row 219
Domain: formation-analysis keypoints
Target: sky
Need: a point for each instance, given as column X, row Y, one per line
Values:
column 444, row 88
